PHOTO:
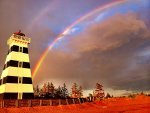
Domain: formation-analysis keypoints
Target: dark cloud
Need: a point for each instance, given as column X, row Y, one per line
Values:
column 15, row 15
column 40, row 20
column 107, row 52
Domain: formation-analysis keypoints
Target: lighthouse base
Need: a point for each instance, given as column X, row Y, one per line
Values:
column 15, row 96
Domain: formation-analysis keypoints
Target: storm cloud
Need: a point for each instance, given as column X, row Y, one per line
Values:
column 111, row 52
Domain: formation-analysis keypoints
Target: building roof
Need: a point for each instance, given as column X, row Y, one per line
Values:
column 19, row 33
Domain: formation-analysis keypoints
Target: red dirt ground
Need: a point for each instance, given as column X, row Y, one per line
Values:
column 140, row 104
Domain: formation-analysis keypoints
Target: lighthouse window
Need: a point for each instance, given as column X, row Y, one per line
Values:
column 15, row 48
column 13, row 63
column 25, row 50
column 12, row 79
column 26, row 65
column 27, row 80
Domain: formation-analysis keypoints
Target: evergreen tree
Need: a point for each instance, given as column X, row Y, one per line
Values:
column 98, row 92
column 44, row 89
column 74, row 93
column 64, row 91
column 80, row 92
column 58, row 92
column 37, row 89
column 108, row 95
column 50, row 88
column 48, row 91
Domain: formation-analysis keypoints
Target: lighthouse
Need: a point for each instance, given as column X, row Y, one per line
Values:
column 16, row 81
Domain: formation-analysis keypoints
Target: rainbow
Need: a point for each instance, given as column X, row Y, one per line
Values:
column 61, row 36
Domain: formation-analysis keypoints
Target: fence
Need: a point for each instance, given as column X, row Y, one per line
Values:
column 38, row 102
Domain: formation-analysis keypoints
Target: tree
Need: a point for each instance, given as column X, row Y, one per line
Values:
column 99, row 92
column 108, row 95
column 80, row 91
column 44, row 89
column 36, row 91
column 77, row 92
column 50, row 88
column 64, row 91
column 74, row 92
column 142, row 93
column 58, row 92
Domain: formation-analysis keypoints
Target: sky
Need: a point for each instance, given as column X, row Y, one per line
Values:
column 110, row 46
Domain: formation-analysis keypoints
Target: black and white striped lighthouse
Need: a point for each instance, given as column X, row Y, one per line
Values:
column 16, row 81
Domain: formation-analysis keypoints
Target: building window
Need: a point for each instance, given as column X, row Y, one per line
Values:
column 18, row 49
column 26, row 65
column 25, row 50
column 12, row 79
column 14, row 48
column 13, row 63
column 27, row 80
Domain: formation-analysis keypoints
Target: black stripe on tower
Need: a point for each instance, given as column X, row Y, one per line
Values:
column 28, row 96
column 14, row 63
column 9, row 96
column 15, row 48
column 16, row 79
column 15, row 96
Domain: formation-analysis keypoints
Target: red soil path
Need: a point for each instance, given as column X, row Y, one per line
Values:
column 140, row 104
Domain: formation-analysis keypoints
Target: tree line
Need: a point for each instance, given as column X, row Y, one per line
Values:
column 48, row 90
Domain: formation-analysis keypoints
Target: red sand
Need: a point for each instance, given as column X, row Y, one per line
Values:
column 140, row 104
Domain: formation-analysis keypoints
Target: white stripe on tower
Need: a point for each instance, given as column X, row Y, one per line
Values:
column 16, row 81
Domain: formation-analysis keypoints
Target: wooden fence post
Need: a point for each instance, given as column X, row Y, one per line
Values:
column 67, row 101
column 2, row 104
column 59, row 101
column 79, row 100
column 40, row 102
column 17, row 105
column 73, row 101
column 82, row 100
column 50, row 102
column 29, row 103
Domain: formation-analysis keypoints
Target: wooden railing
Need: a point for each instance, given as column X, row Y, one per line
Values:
column 40, row 102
